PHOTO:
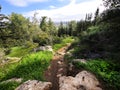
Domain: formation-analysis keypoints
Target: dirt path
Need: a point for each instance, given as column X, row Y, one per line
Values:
column 57, row 68
column 84, row 80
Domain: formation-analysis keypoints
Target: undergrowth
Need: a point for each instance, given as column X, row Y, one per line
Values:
column 62, row 43
column 105, row 70
column 32, row 66
column 9, row 86
column 18, row 51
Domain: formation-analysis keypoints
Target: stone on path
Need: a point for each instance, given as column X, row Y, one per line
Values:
column 35, row 85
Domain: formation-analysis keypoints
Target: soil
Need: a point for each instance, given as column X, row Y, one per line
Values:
column 57, row 68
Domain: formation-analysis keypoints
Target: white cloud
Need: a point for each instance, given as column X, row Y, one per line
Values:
column 23, row 3
column 52, row 7
column 72, row 11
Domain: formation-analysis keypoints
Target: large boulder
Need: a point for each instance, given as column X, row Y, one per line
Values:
column 82, row 81
column 35, row 85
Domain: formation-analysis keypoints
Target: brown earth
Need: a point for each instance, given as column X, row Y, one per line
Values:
column 57, row 68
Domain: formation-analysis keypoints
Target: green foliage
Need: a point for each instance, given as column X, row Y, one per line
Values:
column 102, row 39
column 43, row 24
column 18, row 29
column 63, row 42
column 111, row 16
column 18, row 52
column 105, row 70
column 41, row 38
column 21, row 51
column 8, row 86
column 96, row 17
column 57, row 39
column 30, row 67
column 90, row 31
column 5, row 68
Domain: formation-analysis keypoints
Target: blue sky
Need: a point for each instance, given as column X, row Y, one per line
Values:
column 58, row 10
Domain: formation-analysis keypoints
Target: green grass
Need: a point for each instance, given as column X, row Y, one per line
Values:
column 19, row 51
column 106, row 70
column 63, row 43
column 32, row 66
column 9, row 86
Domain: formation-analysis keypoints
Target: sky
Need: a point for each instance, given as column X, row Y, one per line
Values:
column 57, row 10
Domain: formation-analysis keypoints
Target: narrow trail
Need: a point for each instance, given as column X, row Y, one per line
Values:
column 57, row 68
column 83, row 80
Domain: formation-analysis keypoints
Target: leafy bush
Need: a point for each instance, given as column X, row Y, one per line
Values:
column 108, row 71
column 41, row 38
column 57, row 39
column 102, row 40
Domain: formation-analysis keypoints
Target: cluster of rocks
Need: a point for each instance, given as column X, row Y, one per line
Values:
column 82, row 81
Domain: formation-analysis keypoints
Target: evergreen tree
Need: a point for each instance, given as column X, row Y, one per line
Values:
column 43, row 24
column 96, row 16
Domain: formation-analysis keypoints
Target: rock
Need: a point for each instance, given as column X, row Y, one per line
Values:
column 59, row 62
column 18, row 80
column 35, row 85
column 67, row 83
column 88, row 80
column 82, row 81
column 49, row 48
column 71, row 66
column 43, row 48
column 79, row 60
column 60, row 53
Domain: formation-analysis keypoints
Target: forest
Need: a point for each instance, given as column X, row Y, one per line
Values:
column 95, row 39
